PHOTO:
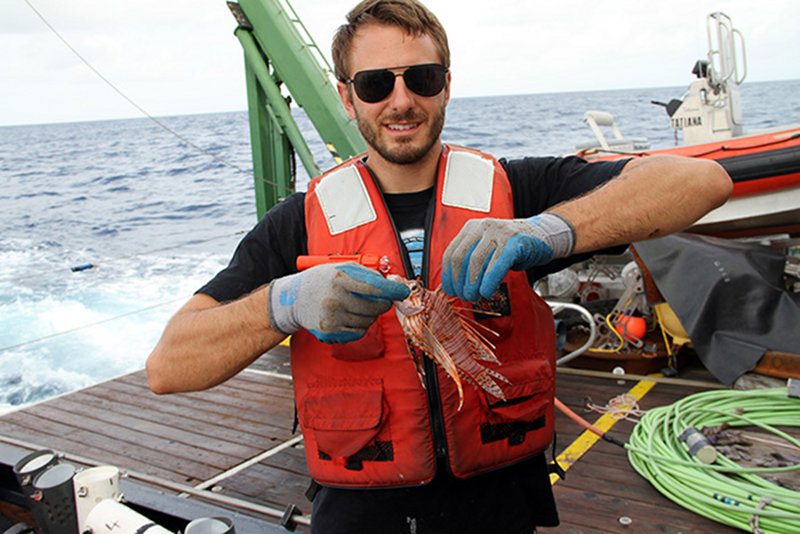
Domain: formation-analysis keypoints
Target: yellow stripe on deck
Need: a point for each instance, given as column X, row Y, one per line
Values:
column 587, row 439
column 285, row 341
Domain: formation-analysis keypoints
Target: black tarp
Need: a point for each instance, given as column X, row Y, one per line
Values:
column 730, row 297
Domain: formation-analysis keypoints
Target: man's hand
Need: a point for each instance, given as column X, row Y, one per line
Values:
column 335, row 302
column 483, row 252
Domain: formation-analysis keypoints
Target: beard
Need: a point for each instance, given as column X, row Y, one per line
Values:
column 405, row 151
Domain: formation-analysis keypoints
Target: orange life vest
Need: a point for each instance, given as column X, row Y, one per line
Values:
column 367, row 419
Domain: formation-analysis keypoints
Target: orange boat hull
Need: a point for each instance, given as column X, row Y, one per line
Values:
column 765, row 169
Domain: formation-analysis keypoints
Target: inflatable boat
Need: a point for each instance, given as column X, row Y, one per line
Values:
column 764, row 165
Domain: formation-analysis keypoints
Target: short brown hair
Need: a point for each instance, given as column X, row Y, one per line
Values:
column 410, row 15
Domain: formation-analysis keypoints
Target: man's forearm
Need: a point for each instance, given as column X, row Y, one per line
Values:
column 652, row 197
column 206, row 343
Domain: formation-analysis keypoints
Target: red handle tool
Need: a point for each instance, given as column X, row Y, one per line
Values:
column 373, row 261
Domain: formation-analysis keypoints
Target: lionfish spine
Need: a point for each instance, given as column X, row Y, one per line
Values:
column 431, row 323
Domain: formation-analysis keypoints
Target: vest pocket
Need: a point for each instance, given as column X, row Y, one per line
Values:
column 344, row 415
column 527, row 404
column 527, row 395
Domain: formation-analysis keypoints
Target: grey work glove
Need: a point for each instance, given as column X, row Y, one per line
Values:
column 336, row 302
column 480, row 256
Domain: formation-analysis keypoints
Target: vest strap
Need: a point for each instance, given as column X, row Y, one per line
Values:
column 554, row 466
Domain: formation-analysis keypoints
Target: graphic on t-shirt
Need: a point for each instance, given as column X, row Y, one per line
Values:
column 414, row 240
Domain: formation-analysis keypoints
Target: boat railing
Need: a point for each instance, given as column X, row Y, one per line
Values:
column 723, row 54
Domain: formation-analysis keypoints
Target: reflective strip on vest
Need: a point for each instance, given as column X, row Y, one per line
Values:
column 468, row 182
column 344, row 200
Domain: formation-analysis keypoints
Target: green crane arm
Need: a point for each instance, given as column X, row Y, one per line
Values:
column 279, row 51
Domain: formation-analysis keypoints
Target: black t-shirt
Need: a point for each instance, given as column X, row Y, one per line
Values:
column 269, row 250
column 510, row 500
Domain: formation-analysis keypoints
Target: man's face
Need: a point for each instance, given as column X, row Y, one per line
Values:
column 403, row 127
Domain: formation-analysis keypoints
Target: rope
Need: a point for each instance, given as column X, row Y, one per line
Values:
column 722, row 491
column 89, row 325
column 667, row 343
column 753, row 521
column 605, row 340
column 621, row 407
column 145, row 113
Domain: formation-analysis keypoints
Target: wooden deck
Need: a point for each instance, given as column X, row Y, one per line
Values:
column 602, row 488
column 189, row 440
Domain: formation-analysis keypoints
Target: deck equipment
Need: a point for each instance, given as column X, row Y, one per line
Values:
column 743, row 497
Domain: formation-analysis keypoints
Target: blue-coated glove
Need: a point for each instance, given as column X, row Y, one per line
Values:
column 480, row 256
column 335, row 302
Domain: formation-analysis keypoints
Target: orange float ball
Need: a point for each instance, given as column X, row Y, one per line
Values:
column 636, row 326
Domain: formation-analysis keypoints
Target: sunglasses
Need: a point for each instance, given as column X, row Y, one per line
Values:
column 375, row 85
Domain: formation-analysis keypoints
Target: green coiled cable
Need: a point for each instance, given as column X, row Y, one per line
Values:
column 723, row 491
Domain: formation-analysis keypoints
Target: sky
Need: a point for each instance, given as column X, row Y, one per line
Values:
column 179, row 57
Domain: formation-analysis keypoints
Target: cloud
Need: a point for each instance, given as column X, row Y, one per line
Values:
column 170, row 57
column 180, row 56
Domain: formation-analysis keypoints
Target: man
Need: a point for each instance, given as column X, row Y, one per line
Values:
column 367, row 419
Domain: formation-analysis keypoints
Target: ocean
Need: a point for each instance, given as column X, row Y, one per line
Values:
column 156, row 217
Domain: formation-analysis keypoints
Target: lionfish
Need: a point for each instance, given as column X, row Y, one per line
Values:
column 433, row 325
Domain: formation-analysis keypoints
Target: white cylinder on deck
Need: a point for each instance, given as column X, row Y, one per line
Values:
column 210, row 525
column 92, row 486
column 109, row 516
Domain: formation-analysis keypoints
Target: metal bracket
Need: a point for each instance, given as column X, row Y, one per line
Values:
column 793, row 388
column 287, row 521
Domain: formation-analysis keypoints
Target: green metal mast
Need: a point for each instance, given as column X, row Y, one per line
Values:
column 279, row 51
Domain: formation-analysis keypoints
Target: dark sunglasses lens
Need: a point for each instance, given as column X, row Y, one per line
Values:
column 373, row 85
column 425, row 80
